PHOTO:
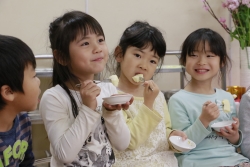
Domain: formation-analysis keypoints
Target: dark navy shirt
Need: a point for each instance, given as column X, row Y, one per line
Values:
column 16, row 144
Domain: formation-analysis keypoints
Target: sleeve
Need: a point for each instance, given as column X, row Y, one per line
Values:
column 141, row 125
column 66, row 138
column 180, row 120
column 244, row 117
column 168, row 127
column 167, row 120
column 117, row 129
column 29, row 158
column 240, row 140
column 234, row 114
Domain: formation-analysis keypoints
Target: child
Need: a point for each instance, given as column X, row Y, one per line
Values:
column 141, row 49
column 78, row 129
column 19, row 92
column 244, row 117
column 199, row 105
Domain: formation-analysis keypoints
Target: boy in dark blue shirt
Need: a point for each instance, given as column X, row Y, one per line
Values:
column 19, row 91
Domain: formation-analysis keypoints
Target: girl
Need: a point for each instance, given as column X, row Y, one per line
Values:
column 78, row 130
column 141, row 49
column 199, row 105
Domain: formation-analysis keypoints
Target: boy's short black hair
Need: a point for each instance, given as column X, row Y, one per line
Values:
column 15, row 55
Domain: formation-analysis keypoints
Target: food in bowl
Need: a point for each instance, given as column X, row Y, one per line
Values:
column 182, row 145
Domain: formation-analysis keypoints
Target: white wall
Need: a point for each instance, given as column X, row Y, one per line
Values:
column 29, row 20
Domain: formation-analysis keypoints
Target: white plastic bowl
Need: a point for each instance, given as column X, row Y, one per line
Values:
column 183, row 146
column 218, row 125
column 117, row 99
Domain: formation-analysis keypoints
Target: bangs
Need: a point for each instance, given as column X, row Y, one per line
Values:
column 82, row 28
column 201, row 40
column 145, row 39
column 72, row 28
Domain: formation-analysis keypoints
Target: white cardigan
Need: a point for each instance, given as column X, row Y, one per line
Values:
column 70, row 136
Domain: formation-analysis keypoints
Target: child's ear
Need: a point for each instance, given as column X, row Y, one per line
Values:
column 118, row 54
column 7, row 93
column 58, row 57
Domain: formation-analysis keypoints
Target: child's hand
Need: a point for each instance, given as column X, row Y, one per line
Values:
column 118, row 106
column 89, row 91
column 178, row 133
column 231, row 134
column 150, row 93
column 210, row 112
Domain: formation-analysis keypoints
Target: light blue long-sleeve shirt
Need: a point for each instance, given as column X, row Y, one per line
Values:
column 211, row 150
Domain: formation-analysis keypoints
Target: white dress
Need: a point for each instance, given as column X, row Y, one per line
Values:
column 154, row 151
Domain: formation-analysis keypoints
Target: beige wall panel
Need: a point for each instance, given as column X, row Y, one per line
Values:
column 175, row 19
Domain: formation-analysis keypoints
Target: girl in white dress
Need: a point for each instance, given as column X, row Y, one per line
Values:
column 141, row 49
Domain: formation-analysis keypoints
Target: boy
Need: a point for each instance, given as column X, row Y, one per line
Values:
column 19, row 88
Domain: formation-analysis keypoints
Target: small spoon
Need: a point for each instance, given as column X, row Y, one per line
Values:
column 95, row 81
column 142, row 80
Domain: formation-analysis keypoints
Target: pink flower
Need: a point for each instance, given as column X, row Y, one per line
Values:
column 245, row 2
column 233, row 1
column 232, row 4
column 222, row 20
column 224, row 4
column 240, row 18
column 205, row 7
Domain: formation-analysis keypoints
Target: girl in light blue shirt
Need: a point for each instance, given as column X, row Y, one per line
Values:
column 195, row 108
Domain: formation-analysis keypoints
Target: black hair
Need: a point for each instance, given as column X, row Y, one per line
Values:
column 141, row 35
column 15, row 56
column 62, row 31
column 214, row 40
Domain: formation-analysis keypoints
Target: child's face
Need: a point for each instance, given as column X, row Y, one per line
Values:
column 203, row 65
column 88, row 55
column 28, row 100
column 138, row 61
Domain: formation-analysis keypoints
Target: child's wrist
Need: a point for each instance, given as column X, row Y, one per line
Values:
column 171, row 133
column 149, row 105
column 235, row 139
column 204, row 122
column 108, row 109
